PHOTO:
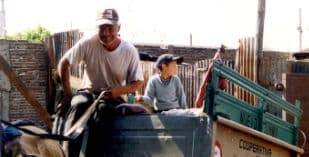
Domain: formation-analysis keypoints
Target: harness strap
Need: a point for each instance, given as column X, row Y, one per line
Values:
column 47, row 136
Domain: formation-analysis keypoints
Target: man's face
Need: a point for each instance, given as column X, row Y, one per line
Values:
column 108, row 33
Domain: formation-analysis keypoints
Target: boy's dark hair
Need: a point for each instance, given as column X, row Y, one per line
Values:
column 167, row 58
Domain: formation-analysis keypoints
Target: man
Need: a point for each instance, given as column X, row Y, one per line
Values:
column 112, row 66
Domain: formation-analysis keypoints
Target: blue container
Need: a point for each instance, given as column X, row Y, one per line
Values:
column 130, row 99
column 155, row 135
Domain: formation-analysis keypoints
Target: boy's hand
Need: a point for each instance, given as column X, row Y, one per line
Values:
column 138, row 98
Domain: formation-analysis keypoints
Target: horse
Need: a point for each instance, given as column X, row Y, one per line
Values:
column 31, row 145
column 40, row 146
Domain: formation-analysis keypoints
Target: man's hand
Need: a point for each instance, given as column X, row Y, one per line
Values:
column 65, row 102
column 108, row 94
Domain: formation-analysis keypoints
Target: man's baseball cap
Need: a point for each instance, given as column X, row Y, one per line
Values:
column 107, row 16
column 167, row 58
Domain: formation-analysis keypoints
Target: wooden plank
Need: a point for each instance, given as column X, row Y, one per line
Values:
column 249, row 68
column 254, row 74
column 21, row 87
column 246, row 67
column 249, row 142
column 242, row 67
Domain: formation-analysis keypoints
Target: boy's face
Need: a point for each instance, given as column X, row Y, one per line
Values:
column 170, row 68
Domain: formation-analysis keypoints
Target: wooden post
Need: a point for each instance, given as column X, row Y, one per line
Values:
column 51, row 72
column 21, row 87
column 259, row 37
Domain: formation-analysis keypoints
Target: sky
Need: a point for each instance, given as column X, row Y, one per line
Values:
column 210, row 22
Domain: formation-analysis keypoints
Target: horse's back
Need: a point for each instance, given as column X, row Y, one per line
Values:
column 40, row 146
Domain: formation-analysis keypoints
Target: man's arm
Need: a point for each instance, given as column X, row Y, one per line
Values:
column 130, row 88
column 64, row 71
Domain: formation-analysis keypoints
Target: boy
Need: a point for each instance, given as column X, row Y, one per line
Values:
column 165, row 90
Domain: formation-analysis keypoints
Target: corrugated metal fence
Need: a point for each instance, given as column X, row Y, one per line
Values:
column 57, row 45
column 61, row 42
column 191, row 75
column 271, row 66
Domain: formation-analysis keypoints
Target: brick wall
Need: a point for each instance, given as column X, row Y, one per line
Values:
column 297, row 86
column 29, row 62
column 190, row 54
